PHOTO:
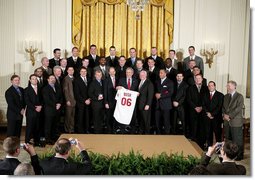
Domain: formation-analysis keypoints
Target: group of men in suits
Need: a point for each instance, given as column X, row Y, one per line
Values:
column 83, row 91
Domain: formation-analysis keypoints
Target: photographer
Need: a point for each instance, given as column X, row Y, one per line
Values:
column 58, row 165
column 228, row 152
column 12, row 147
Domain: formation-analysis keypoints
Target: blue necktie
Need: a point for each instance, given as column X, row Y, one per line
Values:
column 18, row 90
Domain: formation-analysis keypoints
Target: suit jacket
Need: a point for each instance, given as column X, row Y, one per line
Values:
column 180, row 92
column 225, row 168
column 134, row 83
column 154, row 75
column 172, row 74
column 51, row 98
column 129, row 62
column 104, row 75
column 76, row 65
column 92, row 62
column 32, row 99
column 121, row 72
column 52, row 63
column 68, row 90
column 191, row 81
column 80, row 91
column 59, row 166
column 159, row 62
column 146, row 94
column 110, row 92
column 136, row 73
column 187, row 75
column 15, row 102
column 198, row 60
column 112, row 62
column 46, row 73
column 95, row 89
column 213, row 106
column 166, row 90
column 234, row 108
column 194, row 98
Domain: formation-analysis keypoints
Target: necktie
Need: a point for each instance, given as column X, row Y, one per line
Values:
column 230, row 98
column 113, row 82
column 103, row 70
column 141, row 84
column 18, row 90
column 211, row 95
column 85, row 80
column 35, row 89
column 129, row 83
column 53, row 88
column 100, row 82
column 178, row 85
column 199, row 88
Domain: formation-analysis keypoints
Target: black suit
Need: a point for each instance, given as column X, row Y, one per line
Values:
column 93, row 62
column 59, row 166
column 112, row 62
column 51, row 98
column 53, row 62
column 172, row 74
column 187, row 74
column 225, row 168
column 213, row 106
column 129, row 62
column 15, row 104
column 33, row 117
column 154, row 75
column 164, row 104
column 179, row 96
column 120, row 71
column 159, row 62
column 95, row 89
column 145, row 97
column 195, row 99
column 109, row 98
column 75, row 64
column 81, row 95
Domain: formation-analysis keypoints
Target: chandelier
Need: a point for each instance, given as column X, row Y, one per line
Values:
column 137, row 6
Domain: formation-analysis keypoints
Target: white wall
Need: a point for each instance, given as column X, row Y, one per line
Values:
column 196, row 21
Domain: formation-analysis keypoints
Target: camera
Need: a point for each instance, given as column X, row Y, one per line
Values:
column 73, row 142
column 218, row 147
column 22, row 145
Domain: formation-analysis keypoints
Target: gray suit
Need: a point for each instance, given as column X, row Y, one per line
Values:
column 105, row 74
column 198, row 60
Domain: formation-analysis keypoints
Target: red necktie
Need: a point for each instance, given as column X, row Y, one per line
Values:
column 129, row 84
column 211, row 96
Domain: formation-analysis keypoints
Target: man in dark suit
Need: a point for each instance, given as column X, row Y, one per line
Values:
column 33, row 100
column 196, row 71
column 212, row 105
column 188, row 73
column 58, row 165
column 178, row 103
column 82, row 101
column 63, row 66
column 153, row 71
column 195, row 95
column 192, row 56
column 175, row 63
column 131, row 61
column 110, row 91
column 85, row 64
column 11, row 146
column 41, row 81
column 46, row 69
column 112, row 60
column 103, row 68
column 144, row 102
column 75, row 61
column 121, row 68
column 96, row 94
column 14, row 96
column 138, row 68
column 159, row 62
column 233, row 117
column 55, row 61
column 228, row 151
column 164, row 92
column 52, row 98
column 132, row 84
column 171, row 71
column 93, row 57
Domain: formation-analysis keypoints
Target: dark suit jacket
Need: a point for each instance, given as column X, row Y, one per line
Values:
column 154, row 75
column 180, row 92
column 234, row 108
column 213, row 106
column 32, row 99
column 59, row 166
column 129, row 62
column 52, row 63
column 146, row 94
column 110, row 92
column 198, row 60
column 134, row 84
column 194, row 98
column 172, row 74
column 80, row 91
column 15, row 103
column 94, row 91
column 187, row 75
column 121, row 73
column 159, row 63
column 104, row 76
column 71, row 63
column 46, row 73
column 112, row 63
column 166, row 90
column 225, row 168
column 92, row 62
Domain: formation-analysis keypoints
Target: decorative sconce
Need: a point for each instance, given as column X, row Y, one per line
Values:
column 31, row 47
column 209, row 50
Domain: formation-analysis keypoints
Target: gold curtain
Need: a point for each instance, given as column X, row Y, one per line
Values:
column 111, row 22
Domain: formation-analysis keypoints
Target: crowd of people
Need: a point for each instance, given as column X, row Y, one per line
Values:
column 77, row 95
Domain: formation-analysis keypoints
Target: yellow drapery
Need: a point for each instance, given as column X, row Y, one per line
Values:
column 111, row 22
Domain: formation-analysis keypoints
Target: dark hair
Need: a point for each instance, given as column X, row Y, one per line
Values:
column 132, row 48
column 74, row 48
column 179, row 72
column 50, row 76
column 171, row 50
column 112, row 47
column 11, row 144
column 55, row 50
column 69, row 67
column 153, row 47
column 38, row 69
column 82, row 68
column 200, row 170
column 122, row 56
column 192, row 47
column 231, row 149
column 32, row 76
column 192, row 60
column 14, row 76
column 92, row 45
column 102, row 57
column 199, row 75
column 212, row 82
column 196, row 67
column 139, row 60
column 163, row 70
column 63, row 145
column 169, row 59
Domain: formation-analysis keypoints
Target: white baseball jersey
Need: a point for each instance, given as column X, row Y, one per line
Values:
column 125, row 105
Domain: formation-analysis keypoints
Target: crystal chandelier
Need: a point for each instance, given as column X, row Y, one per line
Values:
column 137, row 6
